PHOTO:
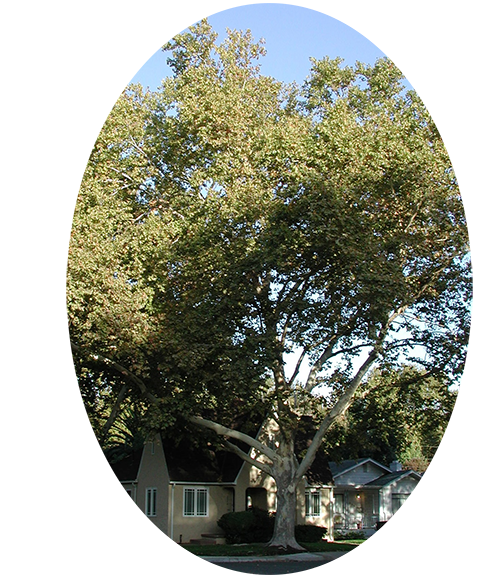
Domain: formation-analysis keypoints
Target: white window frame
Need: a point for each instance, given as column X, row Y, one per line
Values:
column 311, row 511
column 151, row 502
column 196, row 512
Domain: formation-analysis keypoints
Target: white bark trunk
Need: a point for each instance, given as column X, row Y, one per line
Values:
column 284, row 525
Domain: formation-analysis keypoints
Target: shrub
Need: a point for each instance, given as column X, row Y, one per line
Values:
column 348, row 535
column 253, row 525
column 308, row 533
column 256, row 526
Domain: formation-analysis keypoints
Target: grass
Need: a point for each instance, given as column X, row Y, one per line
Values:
column 260, row 549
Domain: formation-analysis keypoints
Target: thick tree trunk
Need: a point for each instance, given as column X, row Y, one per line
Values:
column 284, row 526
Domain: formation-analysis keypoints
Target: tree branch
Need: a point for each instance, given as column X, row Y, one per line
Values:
column 122, row 370
column 224, row 431
column 316, row 368
column 297, row 366
column 114, row 411
column 339, row 408
column 247, row 458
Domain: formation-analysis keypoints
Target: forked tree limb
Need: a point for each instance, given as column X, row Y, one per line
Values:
column 266, row 468
column 237, row 435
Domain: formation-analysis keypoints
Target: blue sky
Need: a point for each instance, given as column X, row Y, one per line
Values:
column 120, row 43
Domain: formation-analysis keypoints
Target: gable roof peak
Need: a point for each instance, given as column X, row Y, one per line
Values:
column 340, row 468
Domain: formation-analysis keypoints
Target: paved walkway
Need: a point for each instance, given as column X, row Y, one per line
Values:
column 302, row 557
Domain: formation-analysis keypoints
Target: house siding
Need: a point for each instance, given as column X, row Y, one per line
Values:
column 356, row 476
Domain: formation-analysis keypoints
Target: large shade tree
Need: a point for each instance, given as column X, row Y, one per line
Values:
column 396, row 415
column 249, row 223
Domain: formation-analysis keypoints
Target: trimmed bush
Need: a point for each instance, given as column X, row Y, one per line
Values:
column 256, row 526
column 308, row 533
column 348, row 535
column 247, row 527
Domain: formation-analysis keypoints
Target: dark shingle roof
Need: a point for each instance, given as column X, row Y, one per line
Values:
column 200, row 465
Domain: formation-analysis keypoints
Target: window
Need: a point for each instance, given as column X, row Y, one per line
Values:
column 313, row 503
column 150, row 501
column 195, row 502
column 397, row 501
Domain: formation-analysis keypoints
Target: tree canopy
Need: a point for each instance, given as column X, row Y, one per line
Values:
column 396, row 415
column 230, row 220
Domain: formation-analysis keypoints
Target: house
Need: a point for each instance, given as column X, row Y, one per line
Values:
column 185, row 491
column 128, row 516
column 117, row 512
column 367, row 493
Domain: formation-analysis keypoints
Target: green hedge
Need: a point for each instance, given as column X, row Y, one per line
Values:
column 256, row 526
column 308, row 533
column 247, row 527
column 348, row 535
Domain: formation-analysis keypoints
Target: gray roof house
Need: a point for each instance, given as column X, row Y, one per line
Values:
column 367, row 493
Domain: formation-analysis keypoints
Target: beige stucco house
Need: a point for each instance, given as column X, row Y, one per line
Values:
column 186, row 497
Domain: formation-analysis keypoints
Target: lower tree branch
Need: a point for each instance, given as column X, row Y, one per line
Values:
column 122, row 370
column 114, row 411
column 247, row 458
column 339, row 408
column 224, row 431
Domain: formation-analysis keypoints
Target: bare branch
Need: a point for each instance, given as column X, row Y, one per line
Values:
column 328, row 353
column 312, row 378
column 224, row 431
column 247, row 458
column 339, row 408
column 114, row 411
column 122, row 370
column 297, row 366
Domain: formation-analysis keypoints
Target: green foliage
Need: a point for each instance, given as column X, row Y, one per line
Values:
column 397, row 415
column 253, row 525
column 229, row 219
column 307, row 533
column 129, row 431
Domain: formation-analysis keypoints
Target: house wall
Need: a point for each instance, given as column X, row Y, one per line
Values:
column 252, row 477
column 326, row 510
column 112, row 534
column 186, row 528
column 153, row 473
